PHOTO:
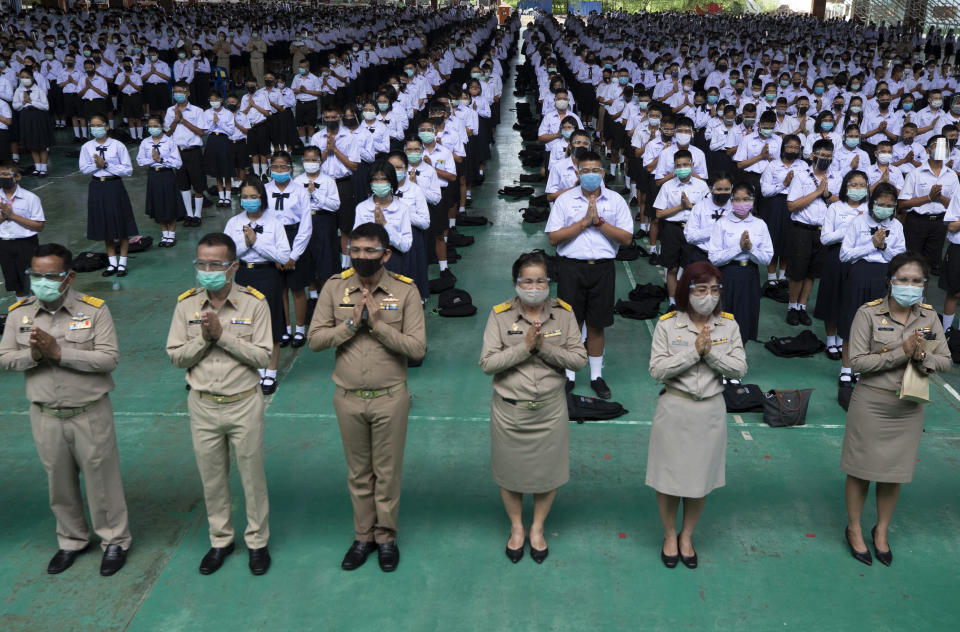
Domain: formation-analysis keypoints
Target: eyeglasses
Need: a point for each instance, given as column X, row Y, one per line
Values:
column 908, row 280
column 49, row 276
column 703, row 290
column 211, row 266
column 371, row 251
column 527, row 282
column 585, row 170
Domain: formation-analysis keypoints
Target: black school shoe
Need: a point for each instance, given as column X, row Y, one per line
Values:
column 600, row 387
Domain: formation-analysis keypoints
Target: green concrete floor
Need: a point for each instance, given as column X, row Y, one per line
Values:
column 770, row 543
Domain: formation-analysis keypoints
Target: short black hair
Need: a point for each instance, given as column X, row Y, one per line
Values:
column 400, row 156
column 371, row 230
column 905, row 258
column 536, row 257
column 219, row 239
column 383, row 167
column 591, row 156
column 55, row 250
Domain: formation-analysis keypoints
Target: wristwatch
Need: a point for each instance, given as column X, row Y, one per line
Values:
column 350, row 325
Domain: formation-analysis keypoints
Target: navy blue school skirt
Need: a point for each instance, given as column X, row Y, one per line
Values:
column 324, row 246
column 109, row 214
column 865, row 282
column 163, row 201
column 265, row 278
column 741, row 296
column 302, row 274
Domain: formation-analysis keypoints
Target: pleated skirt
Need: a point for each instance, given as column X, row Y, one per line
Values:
column 163, row 201
column 109, row 214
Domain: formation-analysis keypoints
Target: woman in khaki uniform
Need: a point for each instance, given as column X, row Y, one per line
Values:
column 693, row 349
column 883, row 431
column 528, row 343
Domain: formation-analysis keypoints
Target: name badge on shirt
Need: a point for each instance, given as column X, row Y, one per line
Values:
column 76, row 325
column 195, row 320
column 885, row 329
column 241, row 321
column 680, row 342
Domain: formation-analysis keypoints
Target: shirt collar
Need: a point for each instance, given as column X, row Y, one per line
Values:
column 17, row 193
column 232, row 296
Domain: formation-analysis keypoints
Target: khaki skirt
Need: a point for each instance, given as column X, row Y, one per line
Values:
column 530, row 449
column 687, row 455
column 882, row 436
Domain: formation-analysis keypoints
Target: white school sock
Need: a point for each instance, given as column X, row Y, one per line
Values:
column 801, row 307
column 571, row 375
column 481, row 172
column 122, row 261
column 289, row 330
column 113, row 261
column 782, row 275
column 596, row 367
column 256, row 168
column 15, row 157
column 303, row 140
column 771, row 276
column 314, row 295
column 262, row 372
column 453, row 221
column 846, row 372
column 831, row 341
column 222, row 195
column 673, row 301
column 947, row 321
column 84, row 132
column 613, row 168
column 197, row 206
column 76, row 131
column 793, row 306
column 583, row 332
column 166, row 235
column 443, row 265
column 187, row 202
column 301, row 329
column 270, row 373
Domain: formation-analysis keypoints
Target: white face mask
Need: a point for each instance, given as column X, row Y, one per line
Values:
column 532, row 298
column 884, row 158
column 704, row 305
column 311, row 167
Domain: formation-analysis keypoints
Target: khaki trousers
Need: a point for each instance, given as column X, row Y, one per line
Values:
column 215, row 429
column 86, row 443
column 374, row 432
column 256, row 69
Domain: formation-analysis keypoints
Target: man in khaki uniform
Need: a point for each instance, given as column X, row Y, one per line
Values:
column 257, row 48
column 375, row 320
column 221, row 48
column 66, row 345
column 221, row 334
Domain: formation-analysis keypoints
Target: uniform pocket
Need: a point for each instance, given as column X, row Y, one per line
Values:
column 80, row 338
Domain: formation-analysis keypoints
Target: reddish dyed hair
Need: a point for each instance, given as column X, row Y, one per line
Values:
column 693, row 274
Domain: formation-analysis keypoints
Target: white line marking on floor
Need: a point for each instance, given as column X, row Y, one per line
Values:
column 738, row 419
column 746, row 435
column 953, row 392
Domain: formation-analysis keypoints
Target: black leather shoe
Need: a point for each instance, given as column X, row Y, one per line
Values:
column 689, row 562
column 793, row 317
column 213, row 560
column 388, row 556
column 884, row 557
column 804, row 318
column 670, row 561
column 284, row 340
column 298, row 340
column 515, row 555
column 121, row 271
column 110, row 271
column 64, row 559
column 833, row 353
column 357, row 555
column 860, row 556
column 539, row 555
column 600, row 388
column 259, row 561
column 114, row 558
column 268, row 385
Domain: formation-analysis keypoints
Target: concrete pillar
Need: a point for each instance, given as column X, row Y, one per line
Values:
column 818, row 8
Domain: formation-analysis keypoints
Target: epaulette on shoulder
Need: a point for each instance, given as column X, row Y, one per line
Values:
column 875, row 302
column 92, row 301
column 502, row 307
column 924, row 306
column 669, row 315
column 346, row 274
column 24, row 301
column 727, row 315
column 255, row 292
column 401, row 278
column 188, row 293
column 565, row 305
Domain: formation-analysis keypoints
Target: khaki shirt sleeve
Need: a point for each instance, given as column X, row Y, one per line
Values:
column 12, row 356
column 938, row 358
column 324, row 331
column 663, row 364
column 184, row 352
column 729, row 360
column 496, row 356
column 861, row 358
column 572, row 354
column 411, row 339
column 257, row 351
column 104, row 356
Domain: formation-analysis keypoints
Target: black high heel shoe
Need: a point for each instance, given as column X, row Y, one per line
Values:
column 689, row 562
column 539, row 555
column 860, row 556
column 670, row 561
column 884, row 557
column 516, row 555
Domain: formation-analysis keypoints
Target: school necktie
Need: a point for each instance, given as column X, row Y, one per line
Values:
column 102, row 150
column 257, row 229
column 279, row 198
column 717, row 214
column 886, row 232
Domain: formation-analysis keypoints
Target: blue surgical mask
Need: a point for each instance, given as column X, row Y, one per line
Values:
column 280, row 177
column 906, row 295
column 48, row 291
column 856, row 194
column 179, row 97
column 907, row 107
column 712, row 98
column 98, row 132
column 851, row 142
column 591, row 181
column 826, row 126
column 155, row 131
column 881, row 213
column 381, row 189
column 682, row 172
column 427, row 137
column 401, row 176
column 250, row 206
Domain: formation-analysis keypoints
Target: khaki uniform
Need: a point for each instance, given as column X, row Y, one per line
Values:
column 70, row 413
column 883, row 432
column 226, row 404
column 529, row 426
column 222, row 50
column 257, row 48
column 686, row 455
column 372, row 401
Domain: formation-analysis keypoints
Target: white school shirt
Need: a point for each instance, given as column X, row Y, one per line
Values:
column 169, row 152
column 858, row 245
column 724, row 244
column 591, row 244
column 271, row 245
column 398, row 224
column 114, row 152
column 325, row 196
column 25, row 204
column 292, row 207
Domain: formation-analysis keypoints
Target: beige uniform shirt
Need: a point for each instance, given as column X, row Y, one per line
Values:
column 88, row 350
column 229, row 365
column 674, row 359
column 256, row 48
column 369, row 358
column 876, row 343
column 519, row 374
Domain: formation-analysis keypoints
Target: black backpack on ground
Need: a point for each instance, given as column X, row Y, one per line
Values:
column 803, row 345
column 472, row 220
column 778, row 292
column 455, row 303
column 581, row 409
column 743, row 398
column 631, row 252
column 90, row 261
column 535, row 215
column 139, row 243
column 644, row 309
column 647, row 290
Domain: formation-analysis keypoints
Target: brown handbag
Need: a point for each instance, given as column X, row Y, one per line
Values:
column 782, row 409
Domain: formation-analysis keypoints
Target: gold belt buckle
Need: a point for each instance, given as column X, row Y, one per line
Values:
column 219, row 398
column 533, row 405
column 743, row 263
column 367, row 394
column 103, row 179
column 249, row 266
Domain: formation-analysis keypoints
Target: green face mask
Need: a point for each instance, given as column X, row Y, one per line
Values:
column 682, row 172
column 381, row 189
column 212, row 281
column 46, row 290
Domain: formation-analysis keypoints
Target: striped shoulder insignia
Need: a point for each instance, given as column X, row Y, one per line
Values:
column 502, row 307
column 346, row 274
column 875, row 302
column 924, row 306
column 669, row 315
column 92, row 300
column 401, row 278
column 24, row 301
column 565, row 305
column 727, row 315
column 255, row 292
column 187, row 294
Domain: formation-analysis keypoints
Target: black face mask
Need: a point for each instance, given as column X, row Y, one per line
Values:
column 332, row 126
column 350, row 123
column 128, row 68
column 791, row 155
column 89, row 73
column 251, row 89
column 7, row 183
column 579, row 153
column 802, row 109
column 366, row 268
column 722, row 68
column 796, row 84
column 268, row 83
column 822, row 164
column 232, row 107
column 721, row 198
column 884, row 105
column 738, row 90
